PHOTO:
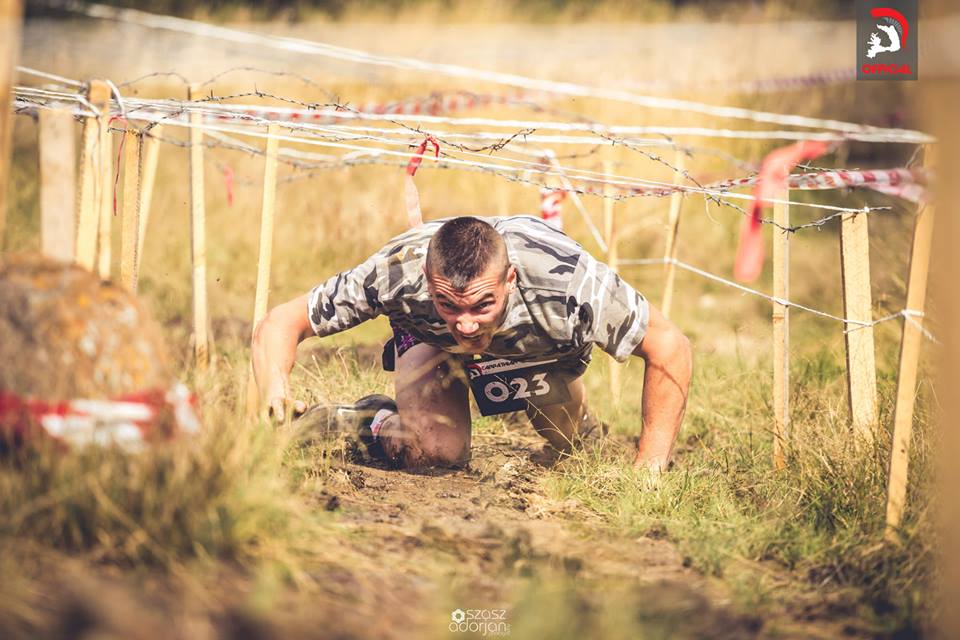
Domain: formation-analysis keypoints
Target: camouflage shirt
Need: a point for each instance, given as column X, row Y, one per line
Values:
column 565, row 300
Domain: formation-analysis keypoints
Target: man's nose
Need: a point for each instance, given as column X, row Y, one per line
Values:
column 467, row 325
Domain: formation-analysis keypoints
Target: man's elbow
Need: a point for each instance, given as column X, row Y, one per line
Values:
column 676, row 348
column 288, row 319
column 667, row 346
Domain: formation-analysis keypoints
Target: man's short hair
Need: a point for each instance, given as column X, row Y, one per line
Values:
column 462, row 249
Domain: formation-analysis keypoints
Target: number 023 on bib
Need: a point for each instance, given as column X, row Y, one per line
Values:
column 502, row 386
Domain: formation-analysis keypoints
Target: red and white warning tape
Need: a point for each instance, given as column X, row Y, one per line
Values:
column 433, row 105
column 129, row 422
column 550, row 204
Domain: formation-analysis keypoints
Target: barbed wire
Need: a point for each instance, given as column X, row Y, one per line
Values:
column 314, row 48
column 595, row 178
column 367, row 155
column 850, row 325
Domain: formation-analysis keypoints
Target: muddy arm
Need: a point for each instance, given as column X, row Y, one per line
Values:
column 666, row 382
column 274, row 347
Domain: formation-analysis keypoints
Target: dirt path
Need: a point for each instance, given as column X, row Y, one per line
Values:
column 488, row 534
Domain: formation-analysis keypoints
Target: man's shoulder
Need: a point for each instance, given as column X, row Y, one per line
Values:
column 545, row 257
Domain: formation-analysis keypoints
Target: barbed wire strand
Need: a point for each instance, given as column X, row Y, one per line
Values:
column 308, row 47
column 909, row 315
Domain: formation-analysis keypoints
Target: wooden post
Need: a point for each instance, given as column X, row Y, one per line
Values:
column 11, row 16
column 673, row 226
column 58, row 154
column 148, row 175
column 91, row 175
column 610, row 235
column 858, row 305
column 266, row 250
column 781, row 332
column 130, row 222
column 198, row 243
column 106, row 198
column 910, row 344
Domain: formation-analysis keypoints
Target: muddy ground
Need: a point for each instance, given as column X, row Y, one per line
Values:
column 405, row 549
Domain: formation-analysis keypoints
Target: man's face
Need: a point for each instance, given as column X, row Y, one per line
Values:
column 474, row 314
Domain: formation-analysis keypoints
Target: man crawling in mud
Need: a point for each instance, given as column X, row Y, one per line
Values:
column 508, row 307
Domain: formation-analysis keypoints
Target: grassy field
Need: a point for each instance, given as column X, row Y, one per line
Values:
column 250, row 531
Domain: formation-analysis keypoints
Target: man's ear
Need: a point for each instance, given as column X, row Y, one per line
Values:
column 511, row 278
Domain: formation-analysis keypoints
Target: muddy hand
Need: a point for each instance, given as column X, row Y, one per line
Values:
column 280, row 407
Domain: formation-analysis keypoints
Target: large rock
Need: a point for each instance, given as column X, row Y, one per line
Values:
column 67, row 339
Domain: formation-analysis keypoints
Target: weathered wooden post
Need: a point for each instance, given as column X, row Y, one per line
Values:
column 266, row 250
column 92, row 174
column 198, row 241
column 910, row 342
column 105, row 147
column 673, row 226
column 130, row 222
column 57, row 156
column 858, row 306
column 148, row 175
column 11, row 16
column 781, row 330
column 610, row 234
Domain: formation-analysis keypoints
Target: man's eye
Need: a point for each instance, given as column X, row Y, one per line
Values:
column 484, row 305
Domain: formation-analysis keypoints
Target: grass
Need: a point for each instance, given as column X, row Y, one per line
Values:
column 244, row 497
column 819, row 521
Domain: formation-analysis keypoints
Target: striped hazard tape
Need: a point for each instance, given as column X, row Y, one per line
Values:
column 433, row 105
column 129, row 422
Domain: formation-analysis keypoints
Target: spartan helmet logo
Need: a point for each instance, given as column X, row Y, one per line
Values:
column 894, row 25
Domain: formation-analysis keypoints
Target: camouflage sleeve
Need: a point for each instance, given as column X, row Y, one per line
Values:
column 348, row 298
column 609, row 312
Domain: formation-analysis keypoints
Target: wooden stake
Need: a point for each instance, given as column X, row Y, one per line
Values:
column 198, row 243
column 610, row 233
column 148, row 175
column 106, row 199
column 11, row 17
column 858, row 305
column 58, row 216
column 673, row 226
column 266, row 251
column 781, row 332
column 910, row 343
column 130, row 222
column 91, row 178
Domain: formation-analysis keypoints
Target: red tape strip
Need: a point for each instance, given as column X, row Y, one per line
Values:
column 772, row 180
column 414, row 163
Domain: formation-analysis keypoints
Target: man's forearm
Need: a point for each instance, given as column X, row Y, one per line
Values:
column 272, row 355
column 666, row 383
column 274, row 348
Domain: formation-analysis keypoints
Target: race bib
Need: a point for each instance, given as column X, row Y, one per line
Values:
column 502, row 385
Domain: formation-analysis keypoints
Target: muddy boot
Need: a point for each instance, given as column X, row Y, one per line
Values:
column 352, row 420
column 592, row 430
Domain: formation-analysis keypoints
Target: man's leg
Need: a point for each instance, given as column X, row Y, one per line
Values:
column 560, row 423
column 433, row 425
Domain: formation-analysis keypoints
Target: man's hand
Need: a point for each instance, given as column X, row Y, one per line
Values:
column 274, row 348
column 279, row 403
